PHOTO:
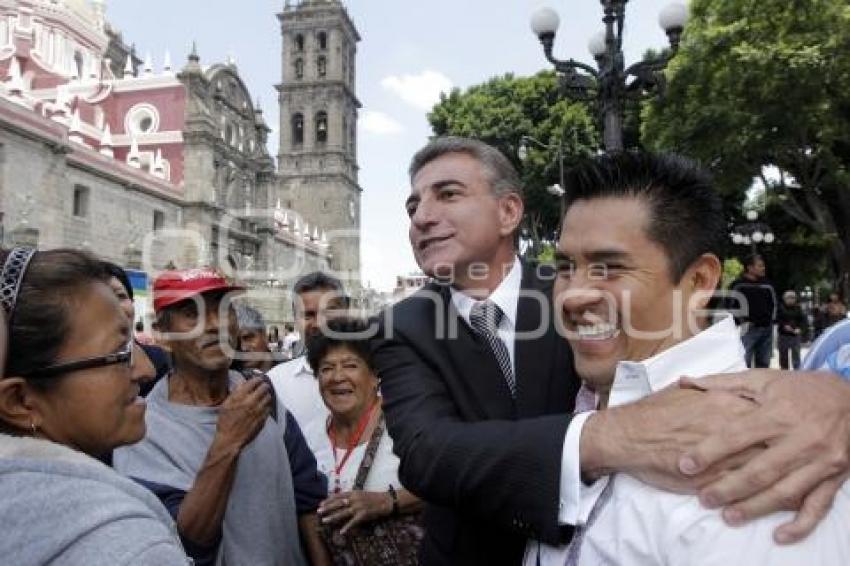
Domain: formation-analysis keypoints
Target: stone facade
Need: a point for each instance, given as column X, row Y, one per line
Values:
column 157, row 168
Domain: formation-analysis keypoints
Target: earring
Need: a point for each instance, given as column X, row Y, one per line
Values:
column 33, row 428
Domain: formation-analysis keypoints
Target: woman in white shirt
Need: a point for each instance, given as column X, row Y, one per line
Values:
column 355, row 451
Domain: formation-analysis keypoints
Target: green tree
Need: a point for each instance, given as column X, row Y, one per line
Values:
column 761, row 83
column 504, row 109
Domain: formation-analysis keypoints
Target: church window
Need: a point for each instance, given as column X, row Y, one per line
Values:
column 344, row 129
column 158, row 220
column 322, row 127
column 78, row 64
column 322, row 65
column 299, row 43
column 323, row 40
column 142, row 118
column 81, row 201
column 299, row 68
column 297, row 129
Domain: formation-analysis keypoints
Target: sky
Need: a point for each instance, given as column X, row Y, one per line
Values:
column 410, row 51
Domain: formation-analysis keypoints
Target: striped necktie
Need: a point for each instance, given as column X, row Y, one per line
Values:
column 485, row 318
column 574, row 550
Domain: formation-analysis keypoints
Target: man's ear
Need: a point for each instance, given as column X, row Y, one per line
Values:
column 17, row 406
column 702, row 279
column 511, row 209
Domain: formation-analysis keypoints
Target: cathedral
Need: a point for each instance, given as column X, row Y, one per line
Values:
column 155, row 168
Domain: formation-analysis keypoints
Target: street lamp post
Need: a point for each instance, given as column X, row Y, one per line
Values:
column 752, row 233
column 612, row 83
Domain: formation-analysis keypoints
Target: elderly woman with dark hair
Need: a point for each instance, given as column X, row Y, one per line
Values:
column 152, row 358
column 370, row 518
column 69, row 395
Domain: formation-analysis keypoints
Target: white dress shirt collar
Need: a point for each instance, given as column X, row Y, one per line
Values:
column 302, row 368
column 506, row 296
column 717, row 349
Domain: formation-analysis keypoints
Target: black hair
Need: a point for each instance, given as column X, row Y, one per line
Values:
column 686, row 213
column 340, row 332
column 121, row 275
column 319, row 281
column 751, row 259
column 42, row 319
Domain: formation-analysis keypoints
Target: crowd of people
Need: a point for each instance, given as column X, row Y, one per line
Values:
column 595, row 410
column 754, row 300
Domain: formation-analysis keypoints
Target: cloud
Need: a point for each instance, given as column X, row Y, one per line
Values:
column 422, row 90
column 379, row 123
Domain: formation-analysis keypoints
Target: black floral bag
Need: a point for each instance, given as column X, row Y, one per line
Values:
column 390, row 541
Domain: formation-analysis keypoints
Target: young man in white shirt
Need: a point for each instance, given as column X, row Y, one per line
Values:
column 638, row 262
column 317, row 295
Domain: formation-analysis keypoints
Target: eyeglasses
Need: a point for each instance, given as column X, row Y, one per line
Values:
column 124, row 356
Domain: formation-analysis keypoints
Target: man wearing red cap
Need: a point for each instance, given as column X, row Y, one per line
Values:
column 215, row 450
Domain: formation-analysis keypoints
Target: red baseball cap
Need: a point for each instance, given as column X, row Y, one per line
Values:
column 178, row 285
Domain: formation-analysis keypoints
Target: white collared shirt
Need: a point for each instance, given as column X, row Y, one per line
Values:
column 575, row 498
column 641, row 525
column 506, row 296
column 298, row 390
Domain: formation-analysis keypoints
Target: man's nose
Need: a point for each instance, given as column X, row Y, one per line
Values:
column 580, row 294
column 425, row 215
column 211, row 318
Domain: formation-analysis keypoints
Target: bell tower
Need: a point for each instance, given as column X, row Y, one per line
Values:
column 317, row 159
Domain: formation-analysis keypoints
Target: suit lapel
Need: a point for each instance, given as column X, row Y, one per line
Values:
column 533, row 357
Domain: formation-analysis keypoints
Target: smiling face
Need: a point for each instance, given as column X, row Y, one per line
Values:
column 456, row 221
column 347, row 385
column 202, row 340
column 97, row 409
column 616, row 298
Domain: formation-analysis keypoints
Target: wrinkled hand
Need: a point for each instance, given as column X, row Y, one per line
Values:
column 355, row 507
column 647, row 438
column 244, row 412
column 804, row 420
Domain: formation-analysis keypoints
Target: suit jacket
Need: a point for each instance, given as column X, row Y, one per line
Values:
column 489, row 467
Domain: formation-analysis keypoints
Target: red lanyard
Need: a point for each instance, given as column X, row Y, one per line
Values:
column 361, row 428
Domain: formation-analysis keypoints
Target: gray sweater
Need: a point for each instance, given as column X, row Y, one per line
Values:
column 60, row 506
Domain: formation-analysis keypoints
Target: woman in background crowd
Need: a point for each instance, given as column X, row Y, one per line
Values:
column 69, row 395
column 834, row 310
column 371, row 519
column 152, row 359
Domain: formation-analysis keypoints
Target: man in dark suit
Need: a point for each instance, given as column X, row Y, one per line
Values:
column 465, row 211
column 478, row 392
